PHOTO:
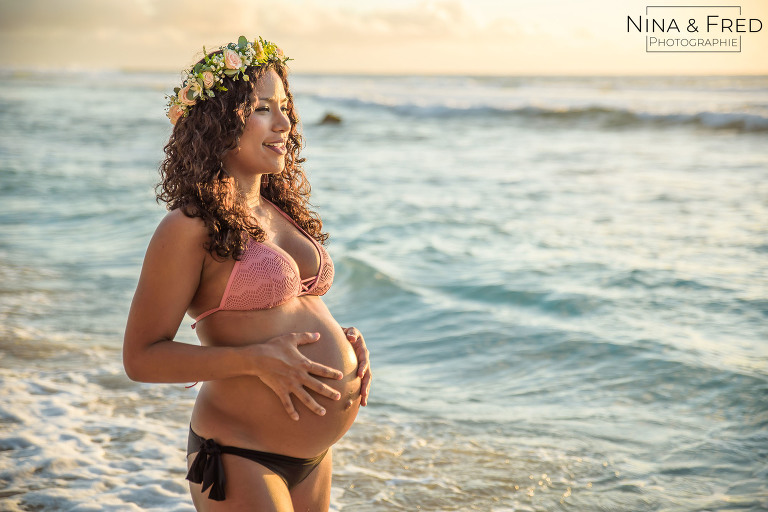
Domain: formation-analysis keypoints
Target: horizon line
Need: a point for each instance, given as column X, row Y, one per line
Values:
column 69, row 70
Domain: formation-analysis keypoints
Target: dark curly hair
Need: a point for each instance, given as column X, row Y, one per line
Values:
column 193, row 178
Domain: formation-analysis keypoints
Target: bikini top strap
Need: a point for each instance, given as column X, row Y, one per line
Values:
column 284, row 214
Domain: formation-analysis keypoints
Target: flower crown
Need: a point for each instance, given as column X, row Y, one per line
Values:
column 208, row 76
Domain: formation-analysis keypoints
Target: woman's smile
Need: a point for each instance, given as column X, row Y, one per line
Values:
column 277, row 146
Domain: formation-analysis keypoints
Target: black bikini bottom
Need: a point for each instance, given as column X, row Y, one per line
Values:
column 208, row 470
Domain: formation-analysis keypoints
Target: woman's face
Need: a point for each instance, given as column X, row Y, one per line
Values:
column 262, row 145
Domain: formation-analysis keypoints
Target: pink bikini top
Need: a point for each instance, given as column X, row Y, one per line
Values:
column 264, row 278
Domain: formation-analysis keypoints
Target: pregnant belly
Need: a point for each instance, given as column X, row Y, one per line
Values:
column 245, row 412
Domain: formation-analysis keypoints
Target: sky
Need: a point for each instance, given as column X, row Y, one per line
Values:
column 485, row 37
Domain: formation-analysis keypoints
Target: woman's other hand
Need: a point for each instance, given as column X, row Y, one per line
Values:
column 363, row 365
column 287, row 371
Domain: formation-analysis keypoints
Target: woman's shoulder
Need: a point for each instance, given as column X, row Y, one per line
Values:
column 180, row 230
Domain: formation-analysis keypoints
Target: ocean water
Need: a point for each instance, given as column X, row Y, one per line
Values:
column 563, row 283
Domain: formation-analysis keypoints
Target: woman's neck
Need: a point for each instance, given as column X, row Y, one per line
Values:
column 251, row 189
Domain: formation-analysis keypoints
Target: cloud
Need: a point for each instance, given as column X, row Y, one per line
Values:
column 168, row 34
column 482, row 36
column 422, row 20
column 428, row 18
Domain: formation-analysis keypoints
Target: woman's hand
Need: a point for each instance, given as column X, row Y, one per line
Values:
column 363, row 365
column 286, row 371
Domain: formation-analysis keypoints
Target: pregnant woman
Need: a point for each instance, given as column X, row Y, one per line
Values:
column 241, row 252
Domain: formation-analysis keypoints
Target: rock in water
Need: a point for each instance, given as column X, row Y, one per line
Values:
column 331, row 119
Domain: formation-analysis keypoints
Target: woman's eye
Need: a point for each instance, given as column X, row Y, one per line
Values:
column 266, row 109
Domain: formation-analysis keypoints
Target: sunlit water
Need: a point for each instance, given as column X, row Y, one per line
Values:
column 563, row 284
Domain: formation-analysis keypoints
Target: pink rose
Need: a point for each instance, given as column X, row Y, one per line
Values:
column 232, row 60
column 280, row 52
column 207, row 79
column 183, row 95
column 175, row 112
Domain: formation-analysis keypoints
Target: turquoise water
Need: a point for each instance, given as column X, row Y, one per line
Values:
column 563, row 283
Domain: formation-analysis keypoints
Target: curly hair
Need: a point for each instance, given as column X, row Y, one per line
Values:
column 192, row 176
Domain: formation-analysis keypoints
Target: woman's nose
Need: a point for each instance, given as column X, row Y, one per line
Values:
column 282, row 123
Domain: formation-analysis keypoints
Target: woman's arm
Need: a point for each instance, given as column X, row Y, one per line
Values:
column 169, row 279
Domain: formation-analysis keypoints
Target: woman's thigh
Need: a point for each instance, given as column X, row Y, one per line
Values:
column 250, row 486
column 314, row 493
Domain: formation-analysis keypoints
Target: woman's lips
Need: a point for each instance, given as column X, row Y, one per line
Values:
column 277, row 147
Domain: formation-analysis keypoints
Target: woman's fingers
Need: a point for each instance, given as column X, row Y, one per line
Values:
column 363, row 366
column 310, row 402
column 323, row 371
column 288, row 373
column 302, row 338
column 352, row 334
column 362, row 357
column 323, row 389
column 365, row 387
column 285, row 398
column 302, row 394
column 361, row 351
